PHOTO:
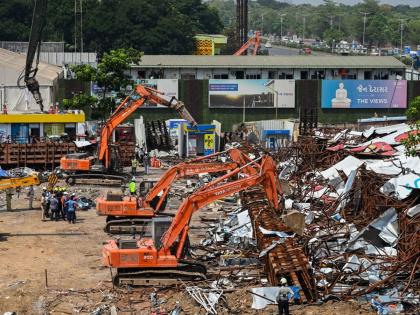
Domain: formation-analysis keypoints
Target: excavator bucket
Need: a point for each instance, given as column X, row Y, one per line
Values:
column 184, row 113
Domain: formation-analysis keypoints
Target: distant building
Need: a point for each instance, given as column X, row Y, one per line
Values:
column 268, row 67
column 53, row 53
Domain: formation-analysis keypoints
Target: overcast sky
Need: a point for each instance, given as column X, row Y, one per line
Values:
column 415, row 3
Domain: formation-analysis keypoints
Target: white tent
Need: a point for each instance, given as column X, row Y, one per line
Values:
column 19, row 99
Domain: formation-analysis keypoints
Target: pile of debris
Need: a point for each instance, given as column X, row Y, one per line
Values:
column 358, row 196
column 348, row 229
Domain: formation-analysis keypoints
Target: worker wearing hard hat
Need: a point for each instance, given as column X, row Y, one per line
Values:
column 283, row 298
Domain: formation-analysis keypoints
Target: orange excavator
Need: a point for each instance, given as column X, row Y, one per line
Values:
column 123, row 214
column 81, row 168
column 162, row 260
column 253, row 42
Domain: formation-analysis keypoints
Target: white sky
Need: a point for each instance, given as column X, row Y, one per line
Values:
column 392, row 2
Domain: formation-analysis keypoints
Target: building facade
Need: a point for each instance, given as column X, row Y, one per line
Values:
column 268, row 67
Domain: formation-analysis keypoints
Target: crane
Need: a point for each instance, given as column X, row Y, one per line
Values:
column 34, row 48
column 122, row 214
column 254, row 42
column 138, row 261
column 82, row 167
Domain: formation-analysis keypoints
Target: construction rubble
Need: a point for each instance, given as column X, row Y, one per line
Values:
column 349, row 229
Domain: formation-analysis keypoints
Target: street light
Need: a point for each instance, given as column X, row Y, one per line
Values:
column 364, row 25
column 401, row 40
column 281, row 26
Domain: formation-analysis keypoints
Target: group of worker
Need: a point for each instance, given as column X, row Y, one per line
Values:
column 58, row 204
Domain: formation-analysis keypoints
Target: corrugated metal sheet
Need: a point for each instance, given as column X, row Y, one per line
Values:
column 267, row 62
column 15, row 63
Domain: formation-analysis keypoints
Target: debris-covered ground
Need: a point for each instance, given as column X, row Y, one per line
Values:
column 348, row 233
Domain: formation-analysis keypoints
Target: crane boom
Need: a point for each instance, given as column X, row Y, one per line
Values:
column 34, row 48
column 254, row 42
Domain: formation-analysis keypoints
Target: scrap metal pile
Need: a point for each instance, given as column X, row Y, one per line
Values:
column 358, row 195
column 349, row 229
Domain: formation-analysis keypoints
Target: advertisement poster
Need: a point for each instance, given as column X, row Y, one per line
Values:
column 252, row 93
column 168, row 86
column 364, row 94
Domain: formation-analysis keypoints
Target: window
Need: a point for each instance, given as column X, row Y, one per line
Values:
column 304, row 75
column 253, row 76
column 289, row 76
column 240, row 74
column 271, row 74
column 368, row 75
column 221, row 76
column 141, row 74
column 282, row 76
column 70, row 130
column 187, row 76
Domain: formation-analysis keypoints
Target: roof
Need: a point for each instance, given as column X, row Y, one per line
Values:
column 333, row 62
column 15, row 61
column 42, row 118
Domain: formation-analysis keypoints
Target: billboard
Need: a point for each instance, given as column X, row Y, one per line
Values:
column 168, row 86
column 251, row 93
column 364, row 94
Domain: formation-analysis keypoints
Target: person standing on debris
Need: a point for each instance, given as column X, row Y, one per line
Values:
column 282, row 298
column 71, row 210
column 54, row 208
column 134, row 164
column 146, row 162
column 31, row 194
column 132, row 187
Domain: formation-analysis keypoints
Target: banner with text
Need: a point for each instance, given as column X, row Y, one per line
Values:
column 252, row 93
column 364, row 94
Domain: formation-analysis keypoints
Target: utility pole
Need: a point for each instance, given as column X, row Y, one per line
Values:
column 262, row 24
column 75, row 25
column 281, row 26
column 401, row 40
column 81, row 28
column 331, row 21
column 364, row 25
column 304, row 23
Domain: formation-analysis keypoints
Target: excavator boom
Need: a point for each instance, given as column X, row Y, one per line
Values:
column 34, row 47
column 138, row 260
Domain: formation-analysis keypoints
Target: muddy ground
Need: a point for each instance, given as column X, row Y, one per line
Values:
column 55, row 268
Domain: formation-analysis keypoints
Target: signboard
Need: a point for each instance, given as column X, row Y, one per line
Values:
column 364, row 94
column 252, row 93
column 168, row 86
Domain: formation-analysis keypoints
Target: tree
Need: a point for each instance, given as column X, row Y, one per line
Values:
column 110, row 76
column 413, row 140
column 156, row 27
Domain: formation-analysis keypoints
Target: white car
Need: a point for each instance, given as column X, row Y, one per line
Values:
column 268, row 45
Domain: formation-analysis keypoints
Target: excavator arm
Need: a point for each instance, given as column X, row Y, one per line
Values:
column 192, row 167
column 140, row 95
column 178, row 230
column 254, row 42
column 34, row 48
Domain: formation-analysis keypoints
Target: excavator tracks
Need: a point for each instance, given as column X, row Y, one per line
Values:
column 96, row 179
column 188, row 271
column 125, row 226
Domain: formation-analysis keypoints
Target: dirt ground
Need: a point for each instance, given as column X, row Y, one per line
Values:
column 70, row 256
